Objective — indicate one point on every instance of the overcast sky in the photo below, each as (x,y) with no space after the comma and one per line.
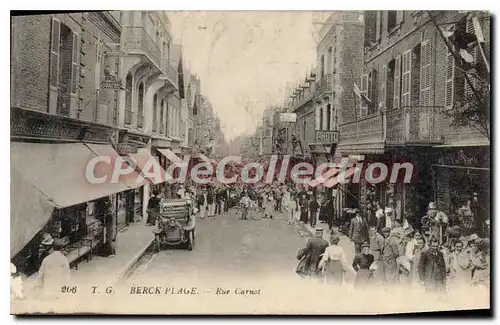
(244,59)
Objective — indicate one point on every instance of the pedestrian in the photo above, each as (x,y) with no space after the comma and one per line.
(286,206)
(358,231)
(245,206)
(480,265)
(54,271)
(310,255)
(304,208)
(390,253)
(361,265)
(278,197)
(376,248)
(202,201)
(328,211)
(269,205)
(153,208)
(313,211)
(460,266)
(414,257)
(294,210)
(333,263)
(211,202)
(431,268)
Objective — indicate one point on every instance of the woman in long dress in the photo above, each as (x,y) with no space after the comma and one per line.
(268,205)
(334,263)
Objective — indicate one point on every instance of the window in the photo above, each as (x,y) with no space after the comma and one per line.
(304,128)
(450,76)
(55,52)
(389,88)
(319,117)
(330,59)
(74,64)
(162,108)
(383,88)
(469,29)
(140,100)
(391,20)
(378,29)
(167,114)
(328,117)
(370,27)
(425,73)
(372,91)
(155,112)
(322,66)
(128,100)
(363,109)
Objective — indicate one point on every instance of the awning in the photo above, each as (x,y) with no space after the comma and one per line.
(147,169)
(45,176)
(30,210)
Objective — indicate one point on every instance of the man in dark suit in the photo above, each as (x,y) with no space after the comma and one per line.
(311,254)
(432,268)
(358,231)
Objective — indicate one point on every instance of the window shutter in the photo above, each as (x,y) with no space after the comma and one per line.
(397,81)
(377,28)
(74,64)
(54,52)
(373,86)
(425,72)
(364,90)
(383,87)
(450,77)
(318,118)
(400,16)
(406,79)
(473,51)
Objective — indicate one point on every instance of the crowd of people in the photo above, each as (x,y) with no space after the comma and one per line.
(399,255)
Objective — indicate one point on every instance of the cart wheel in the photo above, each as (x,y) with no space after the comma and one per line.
(190,241)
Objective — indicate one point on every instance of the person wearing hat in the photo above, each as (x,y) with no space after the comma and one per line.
(432,268)
(361,265)
(390,253)
(480,264)
(202,200)
(153,208)
(54,271)
(311,254)
(358,231)
(334,263)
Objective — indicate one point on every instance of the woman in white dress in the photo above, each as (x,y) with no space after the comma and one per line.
(268,205)
(285,204)
(334,263)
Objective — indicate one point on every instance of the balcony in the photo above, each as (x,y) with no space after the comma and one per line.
(140,121)
(322,136)
(365,136)
(128,117)
(324,84)
(170,72)
(137,40)
(412,125)
(303,100)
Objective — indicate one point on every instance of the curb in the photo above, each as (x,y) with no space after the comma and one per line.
(134,259)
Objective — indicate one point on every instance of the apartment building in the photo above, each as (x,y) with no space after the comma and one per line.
(414,88)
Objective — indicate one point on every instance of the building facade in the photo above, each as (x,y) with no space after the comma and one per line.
(415,89)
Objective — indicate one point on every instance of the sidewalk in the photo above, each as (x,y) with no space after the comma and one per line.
(131,243)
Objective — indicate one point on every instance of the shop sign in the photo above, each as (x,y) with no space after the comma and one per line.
(110,82)
(124,149)
(287,117)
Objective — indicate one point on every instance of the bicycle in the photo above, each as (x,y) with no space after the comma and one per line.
(254,211)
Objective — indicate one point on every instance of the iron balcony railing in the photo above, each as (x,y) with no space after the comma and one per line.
(138,39)
(170,72)
(412,125)
(128,117)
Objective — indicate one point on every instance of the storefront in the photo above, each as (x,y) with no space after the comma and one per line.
(51,193)
(461,179)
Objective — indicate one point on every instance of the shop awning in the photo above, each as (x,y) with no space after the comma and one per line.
(58,170)
(30,210)
(54,175)
(143,161)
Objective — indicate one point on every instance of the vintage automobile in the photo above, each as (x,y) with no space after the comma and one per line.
(176,223)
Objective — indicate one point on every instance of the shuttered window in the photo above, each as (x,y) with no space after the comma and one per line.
(363,111)
(406,79)
(383,87)
(372,91)
(55,47)
(74,63)
(397,82)
(450,77)
(425,72)
(400,16)
(474,52)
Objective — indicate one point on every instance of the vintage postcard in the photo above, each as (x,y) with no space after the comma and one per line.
(250,162)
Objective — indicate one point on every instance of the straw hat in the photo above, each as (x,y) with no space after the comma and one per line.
(47,240)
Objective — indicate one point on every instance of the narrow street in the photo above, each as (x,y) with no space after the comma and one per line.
(227,248)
